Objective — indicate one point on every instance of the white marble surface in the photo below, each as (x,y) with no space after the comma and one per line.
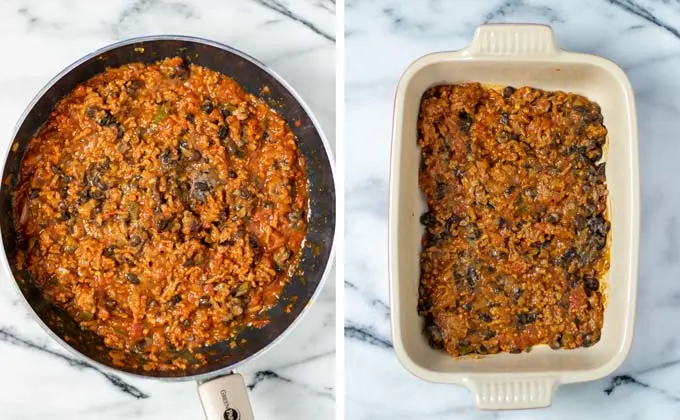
(39,380)
(382,38)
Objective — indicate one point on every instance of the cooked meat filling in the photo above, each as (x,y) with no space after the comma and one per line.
(516,232)
(163,207)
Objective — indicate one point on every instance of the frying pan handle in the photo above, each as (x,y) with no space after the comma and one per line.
(225,398)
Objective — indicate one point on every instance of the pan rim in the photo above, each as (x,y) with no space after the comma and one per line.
(225,370)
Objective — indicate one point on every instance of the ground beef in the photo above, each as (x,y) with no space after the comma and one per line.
(516,232)
(163,207)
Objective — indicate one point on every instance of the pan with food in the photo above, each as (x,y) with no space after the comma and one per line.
(169,211)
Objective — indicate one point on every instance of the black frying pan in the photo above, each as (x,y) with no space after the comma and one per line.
(225,397)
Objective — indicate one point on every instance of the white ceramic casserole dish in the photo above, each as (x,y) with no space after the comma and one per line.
(517,55)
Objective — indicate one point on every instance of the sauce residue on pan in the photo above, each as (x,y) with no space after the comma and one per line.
(163,207)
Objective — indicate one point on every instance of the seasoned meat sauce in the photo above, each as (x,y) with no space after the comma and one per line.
(516,231)
(163,207)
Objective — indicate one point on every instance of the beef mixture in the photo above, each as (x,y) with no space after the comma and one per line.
(516,231)
(163,207)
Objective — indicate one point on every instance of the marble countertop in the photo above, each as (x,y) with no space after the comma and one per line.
(382,38)
(39,379)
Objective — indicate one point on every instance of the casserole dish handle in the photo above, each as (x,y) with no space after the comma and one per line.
(512,393)
(225,398)
(508,40)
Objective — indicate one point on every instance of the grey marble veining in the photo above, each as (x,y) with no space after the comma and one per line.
(296,38)
(383,37)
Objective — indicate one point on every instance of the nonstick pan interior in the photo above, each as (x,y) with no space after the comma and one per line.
(321,220)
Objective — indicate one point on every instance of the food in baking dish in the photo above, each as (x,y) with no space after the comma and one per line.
(516,231)
(163,207)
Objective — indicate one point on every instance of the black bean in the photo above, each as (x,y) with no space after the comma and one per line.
(191,118)
(485,317)
(424,305)
(181,71)
(588,340)
(97,182)
(202,186)
(166,157)
(544,244)
(110,303)
(573,281)
(489,334)
(56,170)
(505,118)
(556,342)
(589,115)
(34,193)
(132,278)
(109,251)
(63,192)
(164,224)
(427,219)
(473,232)
(222,132)
(225,111)
(569,150)
(193,155)
(136,240)
(568,256)
(245,194)
(553,218)
(134,86)
(231,147)
(508,91)
(186,323)
(499,255)
(591,284)
(594,154)
(502,223)
(97,194)
(253,243)
(106,119)
(598,225)
(204,302)
(440,190)
(207,107)
(175,300)
(517,293)
(434,335)
(531,193)
(64,216)
(526,318)
(509,190)
(600,173)
(471,276)
(119,131)
(465,121)
(91,112)
(294,216)
(232,174)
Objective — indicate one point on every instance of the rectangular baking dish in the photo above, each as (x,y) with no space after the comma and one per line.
(517,55)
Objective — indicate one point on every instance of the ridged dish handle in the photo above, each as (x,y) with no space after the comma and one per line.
(499,39)
(512,394)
